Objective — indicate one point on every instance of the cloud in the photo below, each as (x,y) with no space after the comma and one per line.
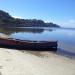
(17,17)
(67,23)
(71,21)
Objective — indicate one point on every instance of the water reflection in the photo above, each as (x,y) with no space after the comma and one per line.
(10,31)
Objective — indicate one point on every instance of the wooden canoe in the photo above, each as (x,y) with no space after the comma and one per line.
(28,45)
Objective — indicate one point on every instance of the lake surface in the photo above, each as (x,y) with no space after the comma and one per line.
(65,37)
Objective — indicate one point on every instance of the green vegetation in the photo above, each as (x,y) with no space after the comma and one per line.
(8,21)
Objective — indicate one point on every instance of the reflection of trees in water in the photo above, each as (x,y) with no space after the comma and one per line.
(33,30)
(10,31)
(5,31)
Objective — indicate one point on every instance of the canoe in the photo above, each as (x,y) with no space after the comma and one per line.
(28,45)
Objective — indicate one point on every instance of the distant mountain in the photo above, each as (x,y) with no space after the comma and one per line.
(7,20)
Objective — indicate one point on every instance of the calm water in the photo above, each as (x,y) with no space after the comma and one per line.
(65,37)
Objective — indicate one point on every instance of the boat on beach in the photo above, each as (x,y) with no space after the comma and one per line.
(27,44)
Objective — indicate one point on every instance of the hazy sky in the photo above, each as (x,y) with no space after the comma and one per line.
(61,12)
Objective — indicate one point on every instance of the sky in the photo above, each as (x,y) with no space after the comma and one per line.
(61,12)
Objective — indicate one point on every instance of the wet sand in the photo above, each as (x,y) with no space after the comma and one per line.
(15,62)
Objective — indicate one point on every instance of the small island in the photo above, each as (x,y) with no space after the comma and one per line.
(7,20)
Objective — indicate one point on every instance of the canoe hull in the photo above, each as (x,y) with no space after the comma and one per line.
(28,45)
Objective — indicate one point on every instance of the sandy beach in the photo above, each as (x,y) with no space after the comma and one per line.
(15,62)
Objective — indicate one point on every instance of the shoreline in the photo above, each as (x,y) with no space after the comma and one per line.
(17,62)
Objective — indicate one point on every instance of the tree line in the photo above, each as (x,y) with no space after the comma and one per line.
(7,20)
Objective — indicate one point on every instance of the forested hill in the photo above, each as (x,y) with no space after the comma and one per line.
(7,20)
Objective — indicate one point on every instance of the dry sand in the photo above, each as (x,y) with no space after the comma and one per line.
(14,62)
(4,36)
